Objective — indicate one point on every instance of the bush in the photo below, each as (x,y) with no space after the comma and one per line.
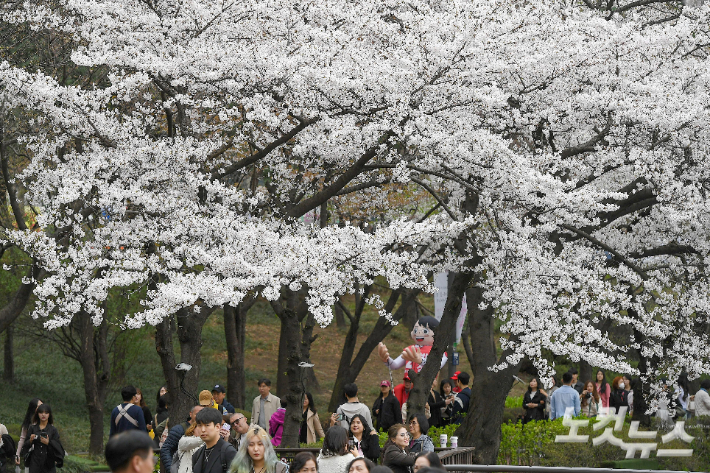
(534,444)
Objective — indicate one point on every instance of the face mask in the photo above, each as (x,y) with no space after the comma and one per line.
(622,385)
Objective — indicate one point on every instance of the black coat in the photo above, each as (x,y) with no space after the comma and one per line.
(436,402)
(397,460)
(617,399)
(219,461)
(534,413)
(42,458)
(390,412)
(370,446)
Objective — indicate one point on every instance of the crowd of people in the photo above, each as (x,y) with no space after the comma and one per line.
(590,398)
(215,438)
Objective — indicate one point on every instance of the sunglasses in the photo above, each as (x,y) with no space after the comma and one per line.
(238,420)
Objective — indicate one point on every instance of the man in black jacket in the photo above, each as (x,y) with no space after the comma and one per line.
(216,454)
(386,410)
(463,398)
(170,446)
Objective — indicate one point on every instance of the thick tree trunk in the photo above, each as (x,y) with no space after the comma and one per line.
(339,316)
(8,373)
(282,360)
(481,427)
(585,372)
(292,310)
(235,321)
(443,334)
(14,308)
(312,384)
(96,370)
(182,385)
(348,370)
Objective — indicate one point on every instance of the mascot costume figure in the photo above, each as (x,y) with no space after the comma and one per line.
(414,356)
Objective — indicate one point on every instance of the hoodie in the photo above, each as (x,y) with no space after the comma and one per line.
(349,409)
(276,426)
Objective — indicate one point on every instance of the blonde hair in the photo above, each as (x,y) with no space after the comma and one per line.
(243,463)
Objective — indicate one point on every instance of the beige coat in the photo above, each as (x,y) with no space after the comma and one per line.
(314,427)
(702,403)
(272,403)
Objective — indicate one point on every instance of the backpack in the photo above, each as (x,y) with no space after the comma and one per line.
(7,451)
(161,431)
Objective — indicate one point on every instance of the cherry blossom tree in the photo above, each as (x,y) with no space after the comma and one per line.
(562,144)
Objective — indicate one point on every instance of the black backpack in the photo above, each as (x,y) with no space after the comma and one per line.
(222,456)
(7,452)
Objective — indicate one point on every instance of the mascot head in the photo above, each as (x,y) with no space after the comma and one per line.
(423,331)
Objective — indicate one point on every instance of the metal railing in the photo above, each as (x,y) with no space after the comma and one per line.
(543,469)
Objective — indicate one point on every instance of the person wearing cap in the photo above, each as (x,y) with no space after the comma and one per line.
(206,400)
(455,378)
(401,391)
(219,394)
(463,398)
(130,452)
(386,410)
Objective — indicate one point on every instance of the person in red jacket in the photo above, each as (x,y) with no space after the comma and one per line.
(401,391)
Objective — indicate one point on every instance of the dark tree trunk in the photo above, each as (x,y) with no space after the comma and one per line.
(291,308)
(481,427)
(444,333)
(339,317)
(16,305)
(96,369)
(282,360)
(8,373)
(585,372)
(349,368)
(311,382)
(182,385)
(235,321)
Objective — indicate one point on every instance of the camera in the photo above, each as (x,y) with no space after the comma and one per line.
(588,395)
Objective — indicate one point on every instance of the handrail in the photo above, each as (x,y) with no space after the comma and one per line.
(545,469)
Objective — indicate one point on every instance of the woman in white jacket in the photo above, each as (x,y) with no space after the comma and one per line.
(186,447)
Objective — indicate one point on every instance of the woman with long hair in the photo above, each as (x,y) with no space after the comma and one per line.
(43,449)
(589,400)
(420,441)
(619,397)
(396,450)
(360,465)
(189,443)
(534,402)
(335,455)
(311,428)
(146,412)
(436,402)
(427,459)
(366,441)
(304,462)
(628,386)
(256,454)
(31,409)
(603,388)
(448,395)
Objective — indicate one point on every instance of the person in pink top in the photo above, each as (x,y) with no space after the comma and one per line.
(603,388)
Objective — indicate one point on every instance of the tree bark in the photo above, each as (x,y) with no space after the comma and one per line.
(282,360)
(339,317)
(481,427)
(182,384)
(642,390)
(585,372)
(96,370)
(8,373)
(235,321)
(292,309)
(311,383)
(444,333)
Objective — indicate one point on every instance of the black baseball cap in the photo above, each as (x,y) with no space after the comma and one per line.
(218,388)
